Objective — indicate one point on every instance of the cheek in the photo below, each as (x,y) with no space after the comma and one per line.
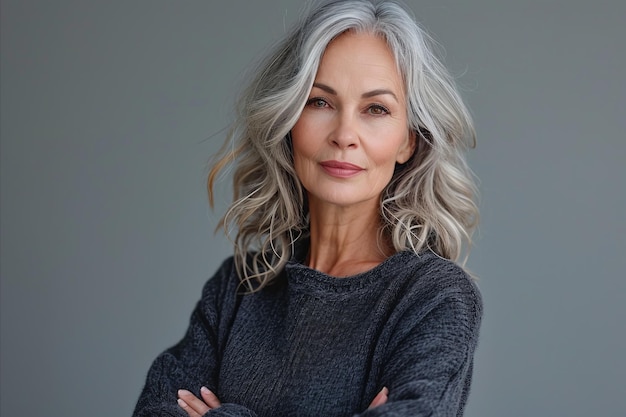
(301,149)
(299,162)
(303,153)
(386,153)
(304,144)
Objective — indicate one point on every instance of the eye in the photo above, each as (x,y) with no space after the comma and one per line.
(377,110)
(317,102)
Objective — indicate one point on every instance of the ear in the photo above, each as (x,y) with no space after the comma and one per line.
(407,148)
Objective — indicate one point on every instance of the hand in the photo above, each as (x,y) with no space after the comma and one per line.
(380,398)
(194,406)
(197,408)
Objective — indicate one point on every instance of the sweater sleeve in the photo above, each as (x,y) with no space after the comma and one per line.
(428,369)
(193,362)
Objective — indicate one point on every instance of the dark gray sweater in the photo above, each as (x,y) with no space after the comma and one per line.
(315,345)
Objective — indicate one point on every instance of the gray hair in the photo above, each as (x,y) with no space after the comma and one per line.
(430,201)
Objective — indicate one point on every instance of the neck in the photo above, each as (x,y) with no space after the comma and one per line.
(346,240)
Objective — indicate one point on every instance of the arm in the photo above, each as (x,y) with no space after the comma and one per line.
(194,361)
(196,407)
(429,361)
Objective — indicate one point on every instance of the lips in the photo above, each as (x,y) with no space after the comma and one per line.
(340,169)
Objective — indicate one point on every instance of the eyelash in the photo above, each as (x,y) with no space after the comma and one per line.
(385,110)
(311,101)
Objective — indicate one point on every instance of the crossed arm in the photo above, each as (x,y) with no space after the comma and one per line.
(197,407)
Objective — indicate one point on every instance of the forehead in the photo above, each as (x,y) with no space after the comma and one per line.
(356,56)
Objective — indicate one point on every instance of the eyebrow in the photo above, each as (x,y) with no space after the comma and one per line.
(368,94)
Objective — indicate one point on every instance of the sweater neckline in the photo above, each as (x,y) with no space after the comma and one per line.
(304,276)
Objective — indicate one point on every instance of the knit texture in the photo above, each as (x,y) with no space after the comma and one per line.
(315,345)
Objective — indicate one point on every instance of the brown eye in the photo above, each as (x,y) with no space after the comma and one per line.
(377,110)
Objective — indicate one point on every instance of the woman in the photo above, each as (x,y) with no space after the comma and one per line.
(352,202)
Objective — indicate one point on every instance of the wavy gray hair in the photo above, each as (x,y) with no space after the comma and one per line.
(429,202)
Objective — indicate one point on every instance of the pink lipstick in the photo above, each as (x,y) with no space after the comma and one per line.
(340,169)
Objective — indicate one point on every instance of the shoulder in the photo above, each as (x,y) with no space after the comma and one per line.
(440,275)
(435,305)
(432,282)
(223,282)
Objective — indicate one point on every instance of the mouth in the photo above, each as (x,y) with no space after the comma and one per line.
(340,169)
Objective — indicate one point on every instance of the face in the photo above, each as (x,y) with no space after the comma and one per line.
(354,128)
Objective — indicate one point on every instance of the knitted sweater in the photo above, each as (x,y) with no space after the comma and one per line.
(314,345)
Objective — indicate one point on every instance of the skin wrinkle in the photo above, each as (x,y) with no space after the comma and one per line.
(349,121)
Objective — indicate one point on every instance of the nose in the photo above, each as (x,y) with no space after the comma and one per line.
(345,134)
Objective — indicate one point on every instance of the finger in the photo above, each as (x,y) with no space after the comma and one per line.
(194,403)
(380,398)
(190,411)
(209,398)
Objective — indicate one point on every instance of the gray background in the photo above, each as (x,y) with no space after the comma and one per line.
(111,109)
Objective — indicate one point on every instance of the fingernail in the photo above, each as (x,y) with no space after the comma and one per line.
(181,403)
(205,390)
(183,392)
